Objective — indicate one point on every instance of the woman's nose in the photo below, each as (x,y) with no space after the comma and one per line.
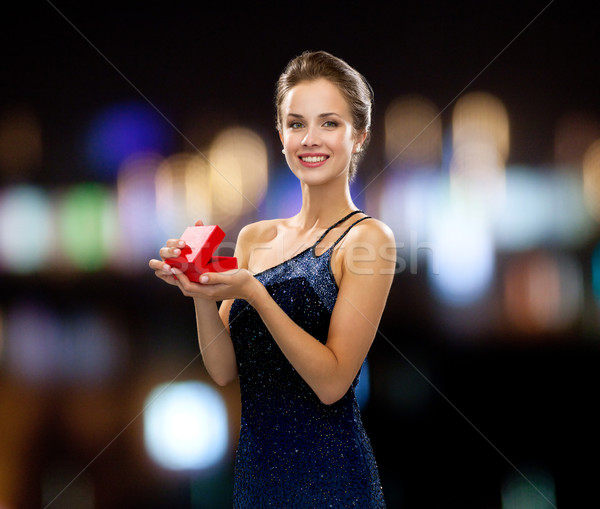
(311,138)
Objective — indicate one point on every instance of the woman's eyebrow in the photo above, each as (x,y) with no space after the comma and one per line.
(321,115)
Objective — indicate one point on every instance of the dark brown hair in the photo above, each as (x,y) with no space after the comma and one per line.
(312,65)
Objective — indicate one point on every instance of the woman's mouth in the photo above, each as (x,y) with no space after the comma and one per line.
(312,160)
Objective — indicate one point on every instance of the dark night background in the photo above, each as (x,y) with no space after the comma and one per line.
(450,420)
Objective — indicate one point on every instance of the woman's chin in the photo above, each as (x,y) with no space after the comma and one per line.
(318,177)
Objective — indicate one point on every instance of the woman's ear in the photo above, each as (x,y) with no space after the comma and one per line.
(360,139)
(363,136)
(281,138)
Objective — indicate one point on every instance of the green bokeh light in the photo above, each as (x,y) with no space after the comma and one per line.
(87,226)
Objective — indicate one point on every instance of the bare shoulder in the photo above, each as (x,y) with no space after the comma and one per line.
(253,235)
(371,230)
(369,245)
(259,232)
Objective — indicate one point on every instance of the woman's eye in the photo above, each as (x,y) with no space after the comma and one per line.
(295,125)
(330,123)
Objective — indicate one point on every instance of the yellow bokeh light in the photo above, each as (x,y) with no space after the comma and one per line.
(217,185)
(413,132)
(478,177)
(480,145)
(481,117)
(183,192)
(591,179)
(239,173)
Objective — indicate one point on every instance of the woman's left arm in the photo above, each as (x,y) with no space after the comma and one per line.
(368,265)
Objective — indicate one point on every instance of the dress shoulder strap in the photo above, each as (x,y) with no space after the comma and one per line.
(334,225)
(338,223)
(347,230)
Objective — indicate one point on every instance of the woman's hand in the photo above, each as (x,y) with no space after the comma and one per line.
(219,286)
(172,249)
(162,269)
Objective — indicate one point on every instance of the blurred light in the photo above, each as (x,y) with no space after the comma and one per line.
(239,173)
(26,236)
(463,245)
(121,130)
(543,292)
(413,132)
(480,117)
(43,348)
(591,179)
(185,426)
(20,142)
(183,193)
(411,203)
(480,144)
(363,389)
(138,220)
(32,343)
(596,272)
(477,177)
(357,186)
(218,189)
(542,207)
(531,488)
(87,224)
(409,200)
(571,224)
(92,348)
(284,198)
(574,133)
(526,216)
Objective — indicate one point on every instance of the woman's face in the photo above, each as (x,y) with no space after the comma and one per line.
(317,132)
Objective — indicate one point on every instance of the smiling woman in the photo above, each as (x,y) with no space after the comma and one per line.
(298,318)
(317,131)
(349,83)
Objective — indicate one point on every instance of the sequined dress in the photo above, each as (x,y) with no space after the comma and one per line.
(294,451)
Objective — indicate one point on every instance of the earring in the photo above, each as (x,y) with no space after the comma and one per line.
(357,150)
(283,151)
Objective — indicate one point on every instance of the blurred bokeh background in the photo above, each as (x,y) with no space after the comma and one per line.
(122,123)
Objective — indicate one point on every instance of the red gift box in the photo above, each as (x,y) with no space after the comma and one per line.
(196,257)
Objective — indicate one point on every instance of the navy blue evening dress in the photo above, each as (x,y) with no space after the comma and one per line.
(294,451)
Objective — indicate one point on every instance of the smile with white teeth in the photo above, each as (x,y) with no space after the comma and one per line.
(314,159)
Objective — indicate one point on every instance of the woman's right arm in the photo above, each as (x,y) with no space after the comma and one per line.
(214,340)
(212,323)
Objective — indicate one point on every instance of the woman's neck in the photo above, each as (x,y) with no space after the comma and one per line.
(323,206)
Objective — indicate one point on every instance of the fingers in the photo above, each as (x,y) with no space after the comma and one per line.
(160,266)
(202,290)
(212,278)
(172,249)
(175,243)
(162,271)
(188,288)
